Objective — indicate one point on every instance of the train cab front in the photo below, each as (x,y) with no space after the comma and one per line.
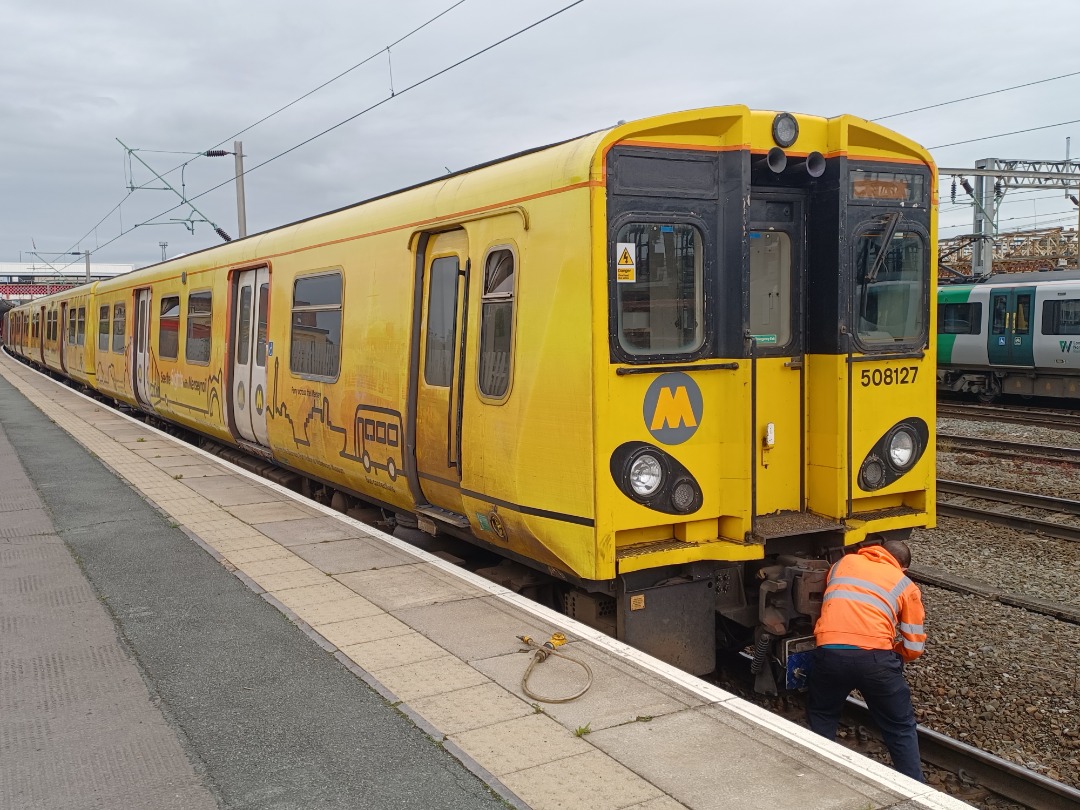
(768,394)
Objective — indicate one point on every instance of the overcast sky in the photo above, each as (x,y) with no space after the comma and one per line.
(185,77)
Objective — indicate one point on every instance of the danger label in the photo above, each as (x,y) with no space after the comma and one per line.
(626,264)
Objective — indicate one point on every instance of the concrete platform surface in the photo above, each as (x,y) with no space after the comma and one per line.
(274,653)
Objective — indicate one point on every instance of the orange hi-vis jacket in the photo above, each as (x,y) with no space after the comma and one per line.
(867,597)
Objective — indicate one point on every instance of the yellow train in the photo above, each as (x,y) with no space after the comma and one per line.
(677,365)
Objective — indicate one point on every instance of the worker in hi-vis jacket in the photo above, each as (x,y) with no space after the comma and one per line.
(868,598)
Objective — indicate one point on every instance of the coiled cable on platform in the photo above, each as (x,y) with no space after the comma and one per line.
(540,654)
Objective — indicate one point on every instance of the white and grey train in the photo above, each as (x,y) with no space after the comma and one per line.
(1016,333)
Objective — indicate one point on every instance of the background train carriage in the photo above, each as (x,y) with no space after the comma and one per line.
(1013,333)
(676,364)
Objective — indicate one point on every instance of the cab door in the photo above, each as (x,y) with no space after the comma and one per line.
(777,251)
(1010,339)
(440,379)
(251,307)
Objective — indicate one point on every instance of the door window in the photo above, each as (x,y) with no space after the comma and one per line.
(1001,314)
(260,331)
(243,327)
(441,321)
(1022,326)
(770,287)
(80,327)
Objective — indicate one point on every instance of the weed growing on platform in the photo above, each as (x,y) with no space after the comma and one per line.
(178,476)
(581,731)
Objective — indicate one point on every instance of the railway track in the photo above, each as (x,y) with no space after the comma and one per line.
(1006,449)
(999,776)
(1056,419)
(1055,517)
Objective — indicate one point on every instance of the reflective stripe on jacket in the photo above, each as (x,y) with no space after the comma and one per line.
(867,599)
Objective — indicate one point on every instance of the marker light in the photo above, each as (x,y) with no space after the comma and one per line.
(646,475)
(785,129)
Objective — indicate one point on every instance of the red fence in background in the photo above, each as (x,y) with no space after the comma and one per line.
(10,290)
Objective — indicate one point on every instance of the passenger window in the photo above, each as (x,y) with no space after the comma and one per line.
(441,321)
(119,327)
(260,331)
(169,328)
(71,327)
(960,319)
(770,287)
(659,272)
(197,340)
(103,329)
(315,340)
(1061,317)
(80,327)
(496,323)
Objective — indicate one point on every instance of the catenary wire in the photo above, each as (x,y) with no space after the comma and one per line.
(978,95)
(351,118)
(265,118)
(1005,134)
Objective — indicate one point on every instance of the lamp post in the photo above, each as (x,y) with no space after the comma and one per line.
(241,205)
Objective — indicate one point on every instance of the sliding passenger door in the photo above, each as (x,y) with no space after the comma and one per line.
(440,378)
(1009,342)
(251,306)
(141,347)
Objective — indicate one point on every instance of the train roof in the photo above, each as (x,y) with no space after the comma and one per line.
(1033,277)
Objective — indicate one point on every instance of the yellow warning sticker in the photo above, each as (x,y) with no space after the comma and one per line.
(626,266)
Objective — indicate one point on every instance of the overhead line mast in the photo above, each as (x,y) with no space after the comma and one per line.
(986,194)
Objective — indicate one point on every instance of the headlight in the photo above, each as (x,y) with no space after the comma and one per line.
(902,448)
(646,475)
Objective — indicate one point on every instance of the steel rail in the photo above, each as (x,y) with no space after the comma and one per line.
(1000,447)
(1061,506)
(1014,782)
(1053,419)
(941,578)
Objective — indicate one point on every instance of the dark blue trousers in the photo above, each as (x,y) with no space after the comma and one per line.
(879,675)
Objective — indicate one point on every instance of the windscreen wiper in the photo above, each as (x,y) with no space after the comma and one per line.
(889,222)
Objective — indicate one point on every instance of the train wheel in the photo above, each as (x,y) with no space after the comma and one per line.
(391,469)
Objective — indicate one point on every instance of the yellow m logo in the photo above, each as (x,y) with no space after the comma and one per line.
(673,409)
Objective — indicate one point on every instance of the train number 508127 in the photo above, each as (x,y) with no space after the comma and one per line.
(889,376)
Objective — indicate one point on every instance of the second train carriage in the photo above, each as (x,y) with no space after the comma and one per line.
(678,365)
(1013,333)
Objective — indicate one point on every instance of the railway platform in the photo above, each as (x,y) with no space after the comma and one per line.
(179,633)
